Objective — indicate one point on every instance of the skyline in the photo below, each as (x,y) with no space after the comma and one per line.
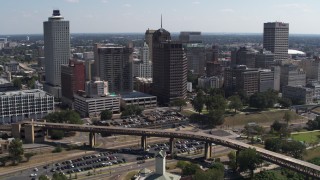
(123,16)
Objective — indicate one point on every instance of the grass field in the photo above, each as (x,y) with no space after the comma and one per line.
(308,137)
(258,117)
(312,153)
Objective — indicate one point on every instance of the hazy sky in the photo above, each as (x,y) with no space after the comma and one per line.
(103,16)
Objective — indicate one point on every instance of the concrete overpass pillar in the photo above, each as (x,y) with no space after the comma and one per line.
(237,155)
(207,150)
(144,142)
(16,130)
(171,146)
(29,133)
(92,139)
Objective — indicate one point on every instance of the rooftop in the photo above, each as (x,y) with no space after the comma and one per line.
(135,94)
(36,92)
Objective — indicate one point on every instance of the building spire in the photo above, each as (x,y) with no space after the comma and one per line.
(161,20)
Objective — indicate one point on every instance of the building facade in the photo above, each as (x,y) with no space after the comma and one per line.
(16,106)
(312,69)
(92,106)
(148,40)
(291,75)
(143,68)
(298,94)
(196,56)
(169,68)
(56,50)
(96,88)
(113,63)
(210,82)
(275,39)
(72,78)
(140,99)
(265,59)
(245,56)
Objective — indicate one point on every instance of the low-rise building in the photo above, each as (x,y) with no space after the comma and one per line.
(210,82)
(92,106)
(143,100)
(12,66)
(16,106)
(298,94)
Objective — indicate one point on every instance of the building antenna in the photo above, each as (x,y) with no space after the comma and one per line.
(161,20)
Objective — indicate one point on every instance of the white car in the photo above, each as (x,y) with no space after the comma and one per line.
(35,169)
(33,175)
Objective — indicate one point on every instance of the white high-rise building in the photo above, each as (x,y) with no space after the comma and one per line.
(144,68)
(56,50)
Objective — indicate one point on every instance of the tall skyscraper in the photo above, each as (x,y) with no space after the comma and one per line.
(196,56)
(148,39)
(169,68)
(275,39)
(56,51)
(114,64)
(143,68)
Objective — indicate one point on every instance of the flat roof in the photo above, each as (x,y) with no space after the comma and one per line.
(25,92)
(135,94)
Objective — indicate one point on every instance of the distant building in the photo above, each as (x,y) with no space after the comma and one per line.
(143,68)
(277,78)
(190,37)
(72,79)
(56,51)
(315,86)
(213,68)
(189,86)
(96,87)
(25,105)
(140,99)
(291,75)
(38,85)
(143,85)
(265,59)
(88,55)
(210,82)
(169,68)
(113,63)
(248,80)
(6,85)
(312,69)
(244,56)
(196,56)
(275,39)
(266,80)
(12,66)
(212,53)
(298,94)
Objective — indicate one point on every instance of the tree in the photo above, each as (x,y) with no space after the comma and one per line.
(293,148)
(59,176)
(258,100)
(232,161)
(197,104)
(17,83)
(277,126)
(268,175)
(212,174)
(190,169)
(314,124)
(106,115)
(180,103)
(16,151)
(285,102)
(67,116)
(273,144)
(287,117)
(249,159)
(235,103)
(28,155)
(56,134)
(44,177)
(131,110)
(215,117)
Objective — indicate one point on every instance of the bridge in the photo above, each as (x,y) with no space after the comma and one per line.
(309,169)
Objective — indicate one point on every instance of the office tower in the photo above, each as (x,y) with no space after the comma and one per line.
(169,68)
(291,75)
(277,73)
(190,37)
(275,39)
(148,40)
(113,63)
(143,67)
(266,80)
(72,79)
(56,51)
(89,69)
(244,56)
(264,59)
(196,56)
